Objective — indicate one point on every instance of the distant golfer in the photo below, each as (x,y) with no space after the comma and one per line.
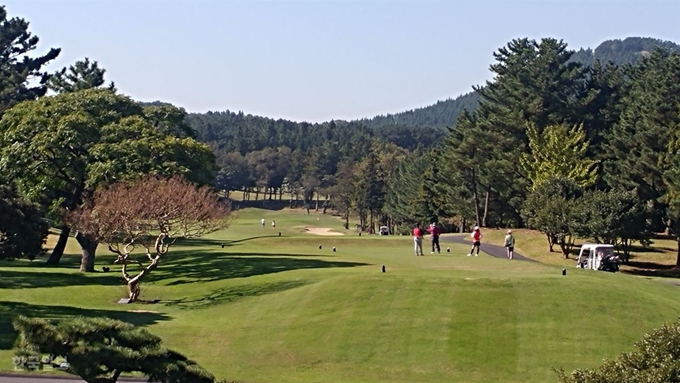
(476,240)
(273,224)
(262,222)
(418,240)
(509,244)
(434,237)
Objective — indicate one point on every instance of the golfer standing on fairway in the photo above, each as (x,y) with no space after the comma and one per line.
(418,240)
(434,237)
(476,240)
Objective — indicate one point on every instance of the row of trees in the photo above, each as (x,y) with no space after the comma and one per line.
(556,146)
(109,170)
(59,153)
(605,136)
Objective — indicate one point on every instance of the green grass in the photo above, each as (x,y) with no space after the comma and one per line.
(278,309)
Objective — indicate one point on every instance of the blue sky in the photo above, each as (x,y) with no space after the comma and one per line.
(318,60)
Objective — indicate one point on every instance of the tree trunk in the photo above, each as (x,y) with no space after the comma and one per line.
(564,249)
(551,242)
(317,202)
(475,199)
(133,283)
(88,247)
(59,248)
(486,209)
(677,258)
(113,378)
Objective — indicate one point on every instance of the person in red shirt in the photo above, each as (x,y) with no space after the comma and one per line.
(418,240)
(476,240)
(434,237)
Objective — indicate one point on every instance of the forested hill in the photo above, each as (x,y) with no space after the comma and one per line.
(441,114)
(445,113)
(235,135)
(237,132)
(621,52)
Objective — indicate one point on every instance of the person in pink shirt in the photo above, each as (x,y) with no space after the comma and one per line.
(476,240)
(434,237)
(418,240)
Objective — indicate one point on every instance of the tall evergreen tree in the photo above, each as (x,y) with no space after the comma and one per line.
(21,76)
(643,144)
(84,74)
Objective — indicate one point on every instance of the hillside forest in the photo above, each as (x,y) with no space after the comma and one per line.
(571,143)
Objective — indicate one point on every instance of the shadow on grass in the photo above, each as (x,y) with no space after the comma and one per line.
(204,242)
(193,267)
(10,310)
(651,269)
(233,293)
(22,279)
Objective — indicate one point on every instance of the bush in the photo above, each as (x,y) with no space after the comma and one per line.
(657,360)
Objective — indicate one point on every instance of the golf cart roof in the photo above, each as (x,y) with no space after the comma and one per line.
(596,245)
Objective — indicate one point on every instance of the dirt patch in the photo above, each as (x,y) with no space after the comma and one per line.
(143,311)
(321,231)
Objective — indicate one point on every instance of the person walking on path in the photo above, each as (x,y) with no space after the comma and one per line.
(476,240)
(509,244)
(418,240)
(434,237)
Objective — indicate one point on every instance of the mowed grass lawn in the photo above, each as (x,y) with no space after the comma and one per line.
(272,309)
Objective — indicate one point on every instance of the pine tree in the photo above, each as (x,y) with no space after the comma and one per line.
(84,74)
(22,77)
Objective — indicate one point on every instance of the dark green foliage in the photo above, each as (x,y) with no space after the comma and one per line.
(440,115)
(621,52)
(404,193)
(22,227)
(650,111)
(642,146)
(169,120)
(656,360)
(59,149)
(617,217)
(445,113)
(79,76)
(601,109)
(21,77)
(100,349)
(552,209)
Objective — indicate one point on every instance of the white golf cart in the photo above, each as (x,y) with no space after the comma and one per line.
(384,230)
(597,256)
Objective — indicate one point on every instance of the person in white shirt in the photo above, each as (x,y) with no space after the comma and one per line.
(509,244)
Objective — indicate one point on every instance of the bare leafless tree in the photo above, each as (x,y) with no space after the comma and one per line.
(151,213)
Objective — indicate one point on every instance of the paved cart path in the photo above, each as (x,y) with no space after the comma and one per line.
(488,248)
(21,378)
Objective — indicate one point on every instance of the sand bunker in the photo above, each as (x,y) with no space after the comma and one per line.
(321,231)
(143,311)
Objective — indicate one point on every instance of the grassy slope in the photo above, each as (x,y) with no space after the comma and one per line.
(656,258)
(277,309)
